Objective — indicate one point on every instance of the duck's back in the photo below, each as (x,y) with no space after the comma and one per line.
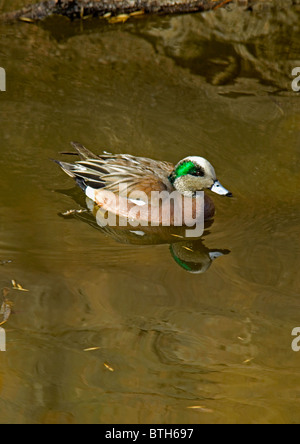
(112,170)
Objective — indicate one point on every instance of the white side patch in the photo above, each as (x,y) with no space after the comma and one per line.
(90,192)
(138,202)
(138,233)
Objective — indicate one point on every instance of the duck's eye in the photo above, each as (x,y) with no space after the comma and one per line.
(198,173)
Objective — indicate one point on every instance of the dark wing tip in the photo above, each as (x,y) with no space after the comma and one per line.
(81,183)
(55,161)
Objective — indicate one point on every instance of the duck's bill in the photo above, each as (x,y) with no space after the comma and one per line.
(219,189)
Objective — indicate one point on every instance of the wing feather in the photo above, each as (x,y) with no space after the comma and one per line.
(109,171)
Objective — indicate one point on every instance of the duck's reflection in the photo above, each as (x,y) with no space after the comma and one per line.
(189,253)
(193,256)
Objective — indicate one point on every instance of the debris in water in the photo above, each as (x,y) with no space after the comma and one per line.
(137,13)
(108,367)
(201,408)
(122,18)
(91,349)
(5,262)
(17,286)
(26,20)
(71,213)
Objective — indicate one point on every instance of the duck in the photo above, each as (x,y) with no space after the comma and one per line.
(122,175)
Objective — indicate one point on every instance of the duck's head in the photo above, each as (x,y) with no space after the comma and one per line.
(194,174)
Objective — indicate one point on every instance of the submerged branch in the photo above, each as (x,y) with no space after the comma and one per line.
(81,8)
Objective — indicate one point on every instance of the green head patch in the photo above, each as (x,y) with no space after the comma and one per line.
(189,167)
(186,168)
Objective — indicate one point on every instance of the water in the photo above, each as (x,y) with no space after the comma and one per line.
(171,346)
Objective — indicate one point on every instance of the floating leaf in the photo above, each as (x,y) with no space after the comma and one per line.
(108,367)
(137,13)
(201,408)
(122,18)
(26,19)
(91,349)
(17,286)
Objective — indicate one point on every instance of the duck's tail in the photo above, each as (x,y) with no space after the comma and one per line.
(85,173)
(83,152)
(69,169)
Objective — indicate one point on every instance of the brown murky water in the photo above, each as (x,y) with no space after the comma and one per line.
(167,338)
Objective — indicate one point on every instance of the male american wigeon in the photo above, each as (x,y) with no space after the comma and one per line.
(110,174)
